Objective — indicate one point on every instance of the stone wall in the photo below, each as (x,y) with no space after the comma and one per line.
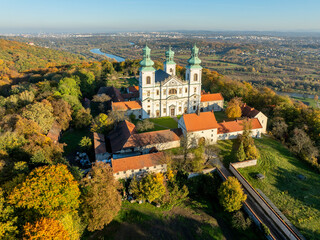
(244,164)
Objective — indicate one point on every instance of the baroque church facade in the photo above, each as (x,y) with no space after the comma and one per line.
(162,93)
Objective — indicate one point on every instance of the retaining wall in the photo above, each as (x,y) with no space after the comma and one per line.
(265,206)
(244,164)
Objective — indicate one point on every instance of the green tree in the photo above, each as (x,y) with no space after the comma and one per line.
(85,143)
(50,191)
(102,124)
(87,83)
(69,86)
(231,195)
(101,199)
(41,113)
(241,155)
(82,118)
(8,227)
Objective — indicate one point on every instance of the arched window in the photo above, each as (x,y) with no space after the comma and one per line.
(148,80)
(171,70)
(172,91)
(195,77)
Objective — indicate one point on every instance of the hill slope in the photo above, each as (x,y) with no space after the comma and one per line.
(17,57)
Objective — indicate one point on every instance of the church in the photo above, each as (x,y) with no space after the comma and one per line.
(162,93)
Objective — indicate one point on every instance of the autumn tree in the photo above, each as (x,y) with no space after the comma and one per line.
(231,195)
(241,155)
(144,125)
(251,152)
(151,187)
(85,143)
(82,118)
(41,113)
(102,123)
(45,229)
(234,108)
(8,227)
(101,199)
(50,191)
(62,111)
(280,129)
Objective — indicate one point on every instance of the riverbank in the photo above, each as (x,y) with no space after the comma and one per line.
(115,57)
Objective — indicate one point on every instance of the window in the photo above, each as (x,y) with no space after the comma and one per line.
(195,90)
(148,80)
(148,112)
(148,100)
(148,93)
(180,90)
(117,173)
(148,106)
(158,113)
(155,167)
(171,70)
(164,92)
(194,107)
(132,170)
(186,90)
(158,92)
(172,91)
(187,76)
(179,109)
(195,77)
(164,110)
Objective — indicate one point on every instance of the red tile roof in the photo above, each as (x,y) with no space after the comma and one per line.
(236,126)
(203,121)
(133,89)
(54,132)
(124,106)
(137,162)
(99,143)
(249,111)
(151,138)
(211,97)
(120,135)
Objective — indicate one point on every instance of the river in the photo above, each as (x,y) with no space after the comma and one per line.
(297,95)
(115,57)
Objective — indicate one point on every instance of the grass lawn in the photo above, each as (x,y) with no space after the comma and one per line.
(298,199)
(72,138)
(220,116)
(308,101)
(123,82)
(145,221)
(167,122)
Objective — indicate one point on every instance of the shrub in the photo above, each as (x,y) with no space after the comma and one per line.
(240,222)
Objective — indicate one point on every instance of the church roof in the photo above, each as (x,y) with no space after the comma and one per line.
(203,121)
(211,97)
(161,75)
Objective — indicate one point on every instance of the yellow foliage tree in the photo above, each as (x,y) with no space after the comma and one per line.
(234,108)
(231,195)
(45,229)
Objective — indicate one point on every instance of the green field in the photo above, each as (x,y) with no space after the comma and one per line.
(220,116)
(298,199)
(308,101)
(145,221)
(122,82)
(72,139)
(167,122)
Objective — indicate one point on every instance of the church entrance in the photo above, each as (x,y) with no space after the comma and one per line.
(172,112)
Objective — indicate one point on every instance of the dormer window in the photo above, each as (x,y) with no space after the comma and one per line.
(148,80)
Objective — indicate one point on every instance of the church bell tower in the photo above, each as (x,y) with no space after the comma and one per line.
(169,64)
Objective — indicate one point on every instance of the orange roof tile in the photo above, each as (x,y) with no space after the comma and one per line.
(249,111)
(120,135)
(99,143)
(236,126)
(137,162)
(155,137)
(133,89)
(203,121)
(124,106)
(211,97)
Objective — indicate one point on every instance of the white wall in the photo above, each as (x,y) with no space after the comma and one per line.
(136,172)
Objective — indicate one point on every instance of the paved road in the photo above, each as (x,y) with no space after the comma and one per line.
(274,229)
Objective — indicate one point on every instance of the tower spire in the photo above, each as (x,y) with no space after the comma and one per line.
(194,60)
(146,63)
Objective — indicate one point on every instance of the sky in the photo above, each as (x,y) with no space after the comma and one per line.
(84,16)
